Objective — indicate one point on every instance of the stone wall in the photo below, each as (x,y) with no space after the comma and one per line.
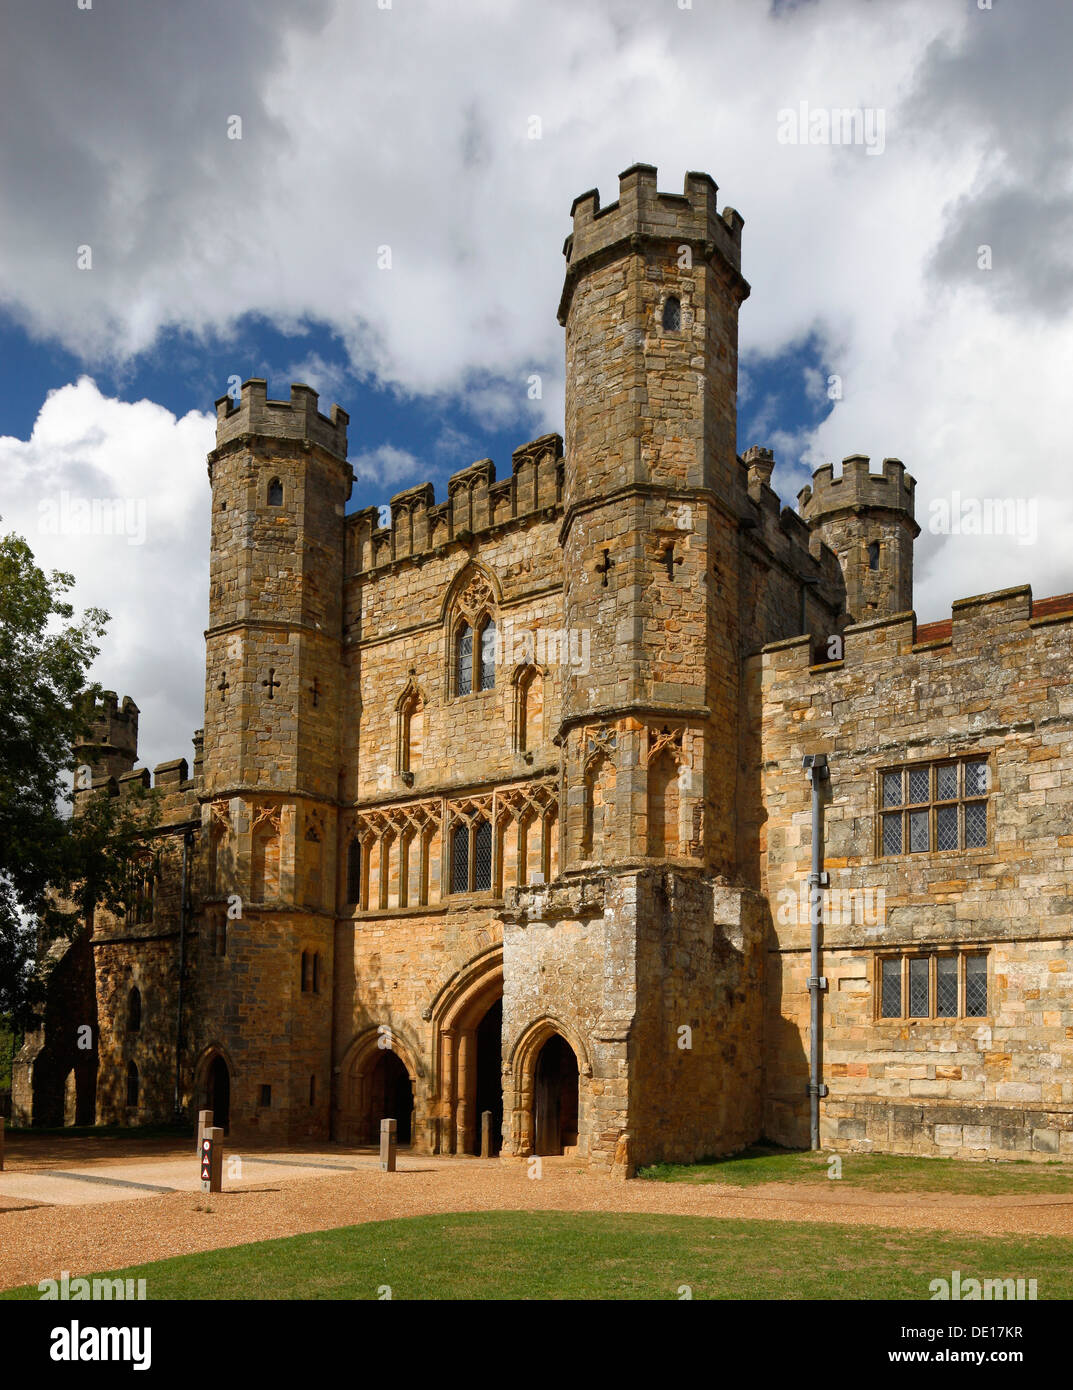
(938,1084)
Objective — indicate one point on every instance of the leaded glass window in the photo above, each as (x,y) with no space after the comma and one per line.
(918,987)
(936,985)
(464,679)
(927,807)
(946,986)
(488,656)
(460,859)
(672,315)
(975,986)
(891,1000)
(482,857)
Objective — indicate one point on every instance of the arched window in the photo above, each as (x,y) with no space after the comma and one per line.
(275,493)
(460,858)
(353,873)
(471,857)
(672,315)
(482,856)
(133,1084)
(488,656)
(134,1010)
(464,661)
(873,555)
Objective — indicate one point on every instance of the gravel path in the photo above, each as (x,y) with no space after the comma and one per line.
(279,1199)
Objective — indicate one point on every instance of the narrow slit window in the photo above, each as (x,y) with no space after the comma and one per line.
(672,315)
(275,493)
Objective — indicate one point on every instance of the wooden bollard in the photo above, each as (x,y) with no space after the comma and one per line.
(204,1124)
(1,1143)
(486,1134)
(387,1146)
(212,1160)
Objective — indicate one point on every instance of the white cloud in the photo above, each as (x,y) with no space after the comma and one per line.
(115,493)
(388,466)
(409,127)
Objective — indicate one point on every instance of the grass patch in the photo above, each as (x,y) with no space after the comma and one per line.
(873,1172)
(551,1255)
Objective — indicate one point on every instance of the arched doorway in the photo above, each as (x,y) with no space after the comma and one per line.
(391,1097)
(489,1074)
(468,1022)
(555,1098)
(218,1093)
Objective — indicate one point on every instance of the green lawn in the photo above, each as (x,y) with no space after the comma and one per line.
(574,1255)
(875,1172)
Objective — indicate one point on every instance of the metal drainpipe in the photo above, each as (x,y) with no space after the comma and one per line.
(815,765)
(184,907)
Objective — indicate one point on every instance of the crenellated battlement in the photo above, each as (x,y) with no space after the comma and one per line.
(111,746)
(641,210)
(298,418)
(893,489)
(475,503)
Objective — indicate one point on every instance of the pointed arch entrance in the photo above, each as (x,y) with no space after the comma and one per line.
(468,1031)
(218,1093)
(555,1098)
(549,1097)
(380,1081)
(213,1078)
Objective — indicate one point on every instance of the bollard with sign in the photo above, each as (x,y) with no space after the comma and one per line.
(204,1124)
(212,1160)
(387,1146)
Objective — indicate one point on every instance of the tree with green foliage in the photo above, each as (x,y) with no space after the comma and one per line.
(56,868)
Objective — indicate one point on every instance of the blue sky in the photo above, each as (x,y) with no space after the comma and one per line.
(236,171)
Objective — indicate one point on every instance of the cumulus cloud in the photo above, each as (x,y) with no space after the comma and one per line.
(386,183)
(115,493)
(388,465)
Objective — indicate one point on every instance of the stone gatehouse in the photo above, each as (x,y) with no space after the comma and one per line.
(499,802)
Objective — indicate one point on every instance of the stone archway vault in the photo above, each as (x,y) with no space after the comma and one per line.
(456,1017)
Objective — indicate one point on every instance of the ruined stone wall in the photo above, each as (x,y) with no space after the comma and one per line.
(995,686)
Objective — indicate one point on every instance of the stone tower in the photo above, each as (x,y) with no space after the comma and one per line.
(867,520)
(110,748)
(280,482)
(658,951)
(650,532)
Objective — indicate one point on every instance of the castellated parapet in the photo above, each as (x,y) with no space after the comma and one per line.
(111,746)
(893,489)
(297,418)
(867,519)
(477,505)
(641,211)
